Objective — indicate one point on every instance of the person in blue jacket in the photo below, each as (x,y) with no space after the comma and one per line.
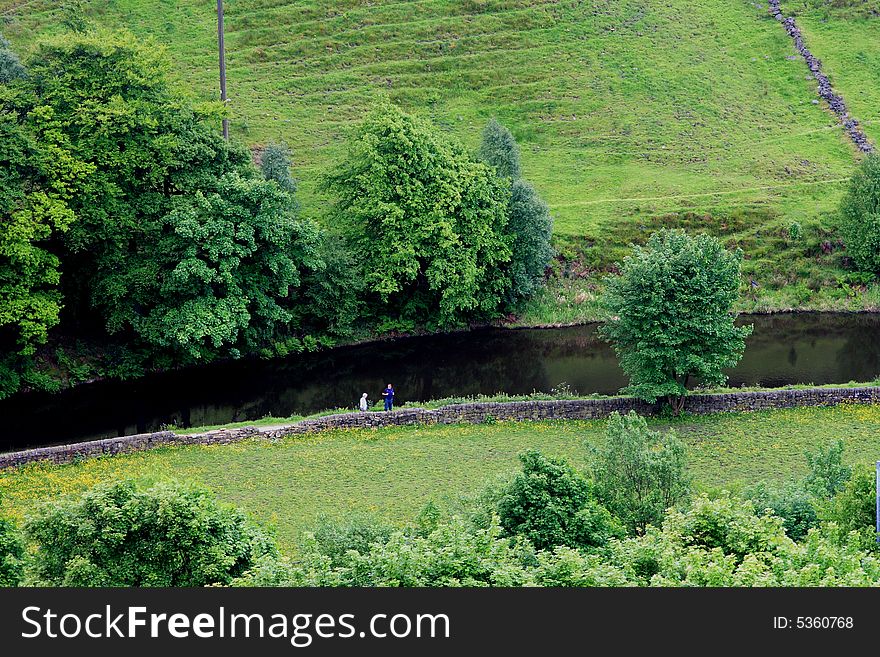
(388,396)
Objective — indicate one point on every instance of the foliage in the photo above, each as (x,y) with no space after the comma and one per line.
(38,180)
(860,215)
(669,315)
(219,275)
(398,469)
(11,67)
(121,534)
(828,475)
(854,508)
(333,538)
(453,554)
(791,503)
(550,504)
(499,149)
(723,542)
(12,553)
(639,473)
(531,228)
(275,165)
(426,222)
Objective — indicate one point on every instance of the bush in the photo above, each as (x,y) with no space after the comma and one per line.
(791,503)
(860,215)
(639,473)
(453,554)
(11,554)
(827,474)
(333,538)
(550,504)
(854,508)
(120,534)
(670,315)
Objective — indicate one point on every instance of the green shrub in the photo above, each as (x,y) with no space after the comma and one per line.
(791,503)
(120,534)
(639,473)
(333,538)
(550,504)
(11,554)
(827,474)
(854,508)
(860,215)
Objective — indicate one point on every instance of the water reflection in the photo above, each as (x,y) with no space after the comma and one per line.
(798,348)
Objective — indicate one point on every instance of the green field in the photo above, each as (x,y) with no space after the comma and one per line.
(393,472)
(623,108)
(848,46)
(631,114)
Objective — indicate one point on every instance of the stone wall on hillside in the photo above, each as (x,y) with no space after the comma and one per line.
(476,413)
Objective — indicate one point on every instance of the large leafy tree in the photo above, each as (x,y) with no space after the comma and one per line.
(669,315)
(426,221)
(179,241)
(860,215)
(39,177)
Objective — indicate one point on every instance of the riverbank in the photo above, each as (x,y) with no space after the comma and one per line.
(394,471)
(459,413)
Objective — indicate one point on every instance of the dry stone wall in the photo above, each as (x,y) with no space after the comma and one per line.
(477,413)
(835,102)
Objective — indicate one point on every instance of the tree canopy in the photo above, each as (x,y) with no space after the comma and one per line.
(425,220)
(669,315)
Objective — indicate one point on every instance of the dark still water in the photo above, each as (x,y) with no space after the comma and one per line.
(784,349)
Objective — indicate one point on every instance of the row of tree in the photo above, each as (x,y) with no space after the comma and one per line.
(129,221)
(630,519)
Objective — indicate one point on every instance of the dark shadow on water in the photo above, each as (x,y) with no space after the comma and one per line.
(784,349)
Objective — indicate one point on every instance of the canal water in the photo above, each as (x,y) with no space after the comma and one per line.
(784,349)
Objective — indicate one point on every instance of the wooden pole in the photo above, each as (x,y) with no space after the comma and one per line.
(222,48)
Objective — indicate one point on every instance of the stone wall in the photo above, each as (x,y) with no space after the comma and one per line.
(576,409)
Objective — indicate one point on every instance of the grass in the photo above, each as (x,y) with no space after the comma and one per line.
(632,115)
(394,471)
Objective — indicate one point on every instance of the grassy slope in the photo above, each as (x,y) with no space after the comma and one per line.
(395,471)
(627,110)
(847,44)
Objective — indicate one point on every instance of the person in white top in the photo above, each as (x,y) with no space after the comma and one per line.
(364,403)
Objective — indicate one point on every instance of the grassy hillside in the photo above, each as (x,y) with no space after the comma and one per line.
(626,110)
(848,39)
(395,471)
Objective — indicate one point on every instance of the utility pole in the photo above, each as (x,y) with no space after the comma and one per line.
(222,66)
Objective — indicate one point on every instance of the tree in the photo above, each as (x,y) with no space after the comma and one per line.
(11,67)
(275,165)
(860,215)
(529,222)
(669,315)
(828,475)
(122,534)
(426,222)
(220,271)
(639,473)
(500,150)
(550,504)
(531,227)
(179,242)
